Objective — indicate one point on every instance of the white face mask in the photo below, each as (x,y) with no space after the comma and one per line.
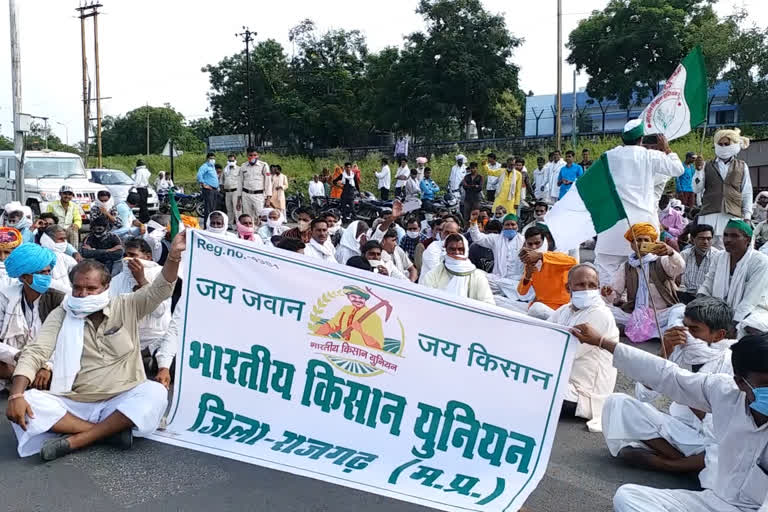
(273,223)
(727,152)
(584,298)
(303,225)
(333,229)
(412,234)
(48,243)
(212,161)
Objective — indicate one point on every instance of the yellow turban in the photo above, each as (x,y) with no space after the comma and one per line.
(10,238)
(733,135)
(642,229)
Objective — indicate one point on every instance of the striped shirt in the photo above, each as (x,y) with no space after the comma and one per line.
(695,274)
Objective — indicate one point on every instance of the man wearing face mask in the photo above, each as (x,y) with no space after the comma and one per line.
(540,210)
(727,185)
(15,218)
(434,254)
(101,245)
(592,376)
(302,231)
(643,436)
(24,306)
(507,267)
(55,239)
(739,408)
(255,185)
(209,184)
(98,390)
(231,180)
(354,237)
(139,271)
(335,231)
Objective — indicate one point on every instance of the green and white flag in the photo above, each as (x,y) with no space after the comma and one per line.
(682,105)
(591,206)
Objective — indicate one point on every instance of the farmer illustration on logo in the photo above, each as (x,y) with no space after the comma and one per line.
(360,331)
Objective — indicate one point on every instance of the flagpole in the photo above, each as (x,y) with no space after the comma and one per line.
(648,286)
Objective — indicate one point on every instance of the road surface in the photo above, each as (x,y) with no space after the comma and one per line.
(581,477)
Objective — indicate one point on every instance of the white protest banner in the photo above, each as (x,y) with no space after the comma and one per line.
(357,379)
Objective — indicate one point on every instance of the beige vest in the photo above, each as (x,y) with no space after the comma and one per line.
(722,196)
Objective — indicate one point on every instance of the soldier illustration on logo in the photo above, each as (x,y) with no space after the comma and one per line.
(357,323)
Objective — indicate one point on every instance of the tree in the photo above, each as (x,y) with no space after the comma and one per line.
(40,137)
(127,135)
(228,97)
(631,46)
(465,56)
(201,128)
(748,74)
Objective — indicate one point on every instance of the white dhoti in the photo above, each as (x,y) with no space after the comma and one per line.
(506,295)
(607,265)
(144,405)
(627,421)
(638,498)
(253,204)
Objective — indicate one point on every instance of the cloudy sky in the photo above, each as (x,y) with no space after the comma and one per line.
(152,51)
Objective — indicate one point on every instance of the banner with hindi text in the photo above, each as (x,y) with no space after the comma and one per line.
(363,381)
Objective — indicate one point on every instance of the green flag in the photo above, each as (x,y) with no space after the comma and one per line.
(175,215)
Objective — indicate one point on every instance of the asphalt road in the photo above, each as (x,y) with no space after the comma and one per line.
(581,477)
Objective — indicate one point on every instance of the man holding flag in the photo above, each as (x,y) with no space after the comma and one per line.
(620,185)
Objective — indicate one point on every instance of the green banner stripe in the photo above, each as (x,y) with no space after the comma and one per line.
(598,191)
(696,89)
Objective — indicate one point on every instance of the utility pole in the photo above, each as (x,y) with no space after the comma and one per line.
(247,36)
(91,11)
(98,82)
(147,128)
(18,136)
(573,114)
(558,120)
(86,99)
(66,131)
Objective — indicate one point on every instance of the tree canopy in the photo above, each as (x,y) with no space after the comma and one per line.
(333,91)
(127,135)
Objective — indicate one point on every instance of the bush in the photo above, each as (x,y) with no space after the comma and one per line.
(300,169)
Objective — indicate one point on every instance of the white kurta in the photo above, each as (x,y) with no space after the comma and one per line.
(541,183)
(741,484)
(60,273)
(593,376)
(627,421)
(477,288)
(634,171)
(430,259)
(554,176)
(325,252)
(457,176)
(745,290)
(719,220)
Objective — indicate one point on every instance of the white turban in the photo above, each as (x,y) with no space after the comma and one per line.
(733,135)
(461,157)
(757,319)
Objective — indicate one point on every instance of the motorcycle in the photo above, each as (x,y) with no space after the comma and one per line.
(368,208)
(187,203)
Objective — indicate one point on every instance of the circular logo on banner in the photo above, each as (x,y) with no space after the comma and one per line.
(362,337)
(667,117)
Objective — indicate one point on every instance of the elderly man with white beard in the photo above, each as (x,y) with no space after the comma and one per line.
(55,239)
(592,376)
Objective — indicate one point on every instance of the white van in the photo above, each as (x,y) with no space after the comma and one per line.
(44,173)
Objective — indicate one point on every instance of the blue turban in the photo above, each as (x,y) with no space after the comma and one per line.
(29,258)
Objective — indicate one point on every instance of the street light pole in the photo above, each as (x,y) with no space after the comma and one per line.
(66,131)
(558,120)
(18,136)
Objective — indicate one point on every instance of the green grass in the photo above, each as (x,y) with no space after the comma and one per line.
(300,169)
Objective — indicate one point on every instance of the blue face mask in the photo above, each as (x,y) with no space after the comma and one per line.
(509,234)
(761,399)
(41,283)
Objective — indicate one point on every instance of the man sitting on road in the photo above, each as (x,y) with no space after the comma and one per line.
(593,375)
(738,275)
(101,245)
(138,272)
(371,252)
(320,245)
(55,239)
(69,214)
(433,255)
(739,411)
(456,275)
(698,260)
(392,253)
(676,442)
(99,390)
(661,265)
(24,306)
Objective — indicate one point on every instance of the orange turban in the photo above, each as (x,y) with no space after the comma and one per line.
(642,229)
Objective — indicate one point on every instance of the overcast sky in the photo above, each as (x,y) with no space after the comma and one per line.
(152,51)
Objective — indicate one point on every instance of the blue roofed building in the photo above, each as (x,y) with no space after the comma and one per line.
(595,117)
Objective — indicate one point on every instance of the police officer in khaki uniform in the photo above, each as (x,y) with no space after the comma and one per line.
(231,182)
(254,185)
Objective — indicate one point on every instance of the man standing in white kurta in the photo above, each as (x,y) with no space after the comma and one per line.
(727,186)
(634,169)
(642,435)
(739,408)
